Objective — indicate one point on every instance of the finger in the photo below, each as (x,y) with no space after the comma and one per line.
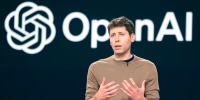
(125,92)
(103,81)
(143,84)
(113,87)
(111,95)
(109,84)
(133,83)
(114,90)
(127,89)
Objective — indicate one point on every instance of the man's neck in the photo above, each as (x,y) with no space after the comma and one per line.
(122,56)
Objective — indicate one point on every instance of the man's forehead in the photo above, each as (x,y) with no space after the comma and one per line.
(115,27)
(118,30)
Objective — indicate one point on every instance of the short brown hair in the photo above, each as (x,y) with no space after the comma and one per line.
(122,21)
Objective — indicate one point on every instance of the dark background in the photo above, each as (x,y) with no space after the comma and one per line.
(59,71)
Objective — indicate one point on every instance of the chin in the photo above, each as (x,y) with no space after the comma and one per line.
(118,52)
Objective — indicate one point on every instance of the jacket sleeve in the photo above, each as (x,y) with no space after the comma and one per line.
(92,85)
(152,85)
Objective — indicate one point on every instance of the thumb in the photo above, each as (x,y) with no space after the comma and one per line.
(143,84)
(103,81)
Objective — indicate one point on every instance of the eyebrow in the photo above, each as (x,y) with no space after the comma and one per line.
(117,32)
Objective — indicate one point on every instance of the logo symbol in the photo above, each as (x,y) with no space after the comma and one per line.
(30,27)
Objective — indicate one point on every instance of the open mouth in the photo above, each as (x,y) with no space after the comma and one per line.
(117,46)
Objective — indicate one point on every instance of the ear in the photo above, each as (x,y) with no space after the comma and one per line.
(132,37)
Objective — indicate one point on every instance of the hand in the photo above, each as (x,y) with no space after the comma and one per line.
(106,90)
(133,91)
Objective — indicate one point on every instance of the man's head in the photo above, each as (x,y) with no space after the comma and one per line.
(121,31)
(122,21)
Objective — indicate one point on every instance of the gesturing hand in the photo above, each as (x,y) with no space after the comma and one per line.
(133,91)
(106,90)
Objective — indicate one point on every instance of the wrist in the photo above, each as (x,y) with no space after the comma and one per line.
(95,97)
(143,98)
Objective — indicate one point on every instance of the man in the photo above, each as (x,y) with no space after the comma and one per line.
(122,76)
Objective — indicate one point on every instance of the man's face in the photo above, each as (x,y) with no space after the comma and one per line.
(120,40)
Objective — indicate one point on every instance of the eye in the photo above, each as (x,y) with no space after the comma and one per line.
(112,35)
(122,34)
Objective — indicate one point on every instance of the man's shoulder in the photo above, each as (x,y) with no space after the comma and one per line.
(143,60)
(100,64)
(102,61)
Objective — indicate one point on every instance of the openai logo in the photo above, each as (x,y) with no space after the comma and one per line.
(30,27)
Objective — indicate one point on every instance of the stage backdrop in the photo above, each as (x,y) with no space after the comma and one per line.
(47,46)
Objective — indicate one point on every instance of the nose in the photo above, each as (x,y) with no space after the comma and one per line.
(117,38)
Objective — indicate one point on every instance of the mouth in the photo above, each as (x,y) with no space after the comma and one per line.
(117,46)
